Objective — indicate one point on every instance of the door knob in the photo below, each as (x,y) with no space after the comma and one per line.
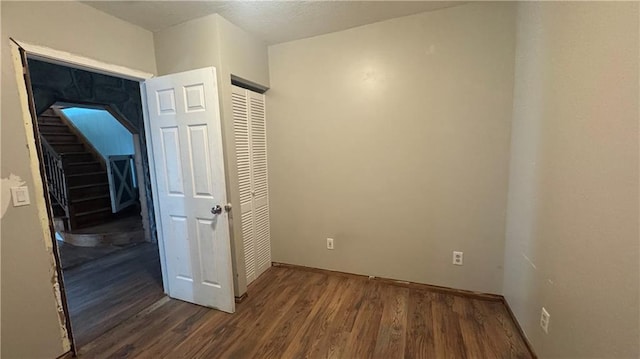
(216,209)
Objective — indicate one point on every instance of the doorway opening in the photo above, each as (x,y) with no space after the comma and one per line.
(95,169)
(182,189)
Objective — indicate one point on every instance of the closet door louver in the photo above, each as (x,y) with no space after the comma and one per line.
(249,122)
(243,162)
(259,182)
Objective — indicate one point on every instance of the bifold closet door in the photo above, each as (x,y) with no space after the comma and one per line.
(249,121)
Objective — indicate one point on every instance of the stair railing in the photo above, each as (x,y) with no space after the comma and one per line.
(54,166)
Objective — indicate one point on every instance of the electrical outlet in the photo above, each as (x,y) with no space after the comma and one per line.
(457,258)
(329,243)
(544,320)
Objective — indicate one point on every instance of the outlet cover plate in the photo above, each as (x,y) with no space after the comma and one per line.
(458,258)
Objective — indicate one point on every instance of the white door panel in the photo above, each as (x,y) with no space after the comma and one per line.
(184,122)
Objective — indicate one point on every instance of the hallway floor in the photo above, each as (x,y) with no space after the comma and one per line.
(90,243)
(103,293)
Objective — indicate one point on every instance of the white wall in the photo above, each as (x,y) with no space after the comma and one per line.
(107,135)
(30,321)
(393,139)
(572,225)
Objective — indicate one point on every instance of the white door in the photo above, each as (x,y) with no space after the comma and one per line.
(186,142)
(249,125)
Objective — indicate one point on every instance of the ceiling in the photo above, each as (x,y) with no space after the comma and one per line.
(272,21)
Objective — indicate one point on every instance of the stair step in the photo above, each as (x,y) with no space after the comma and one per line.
(86,178)
(47,118)
(85,204)
(89,185)
(88,190)
(75,157)
(97,217)
(87,174)
(52,128)
(61,138)
(95,211)
(86,199)
(57,134)
(46,133)
(62,147)
(48,112)
(80,154)
(84,163)
(83,167)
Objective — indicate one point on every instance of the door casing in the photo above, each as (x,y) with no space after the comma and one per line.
(18,48)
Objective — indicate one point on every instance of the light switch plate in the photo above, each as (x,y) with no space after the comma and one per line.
(20,196)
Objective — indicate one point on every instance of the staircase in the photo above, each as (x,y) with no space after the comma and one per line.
(76,173)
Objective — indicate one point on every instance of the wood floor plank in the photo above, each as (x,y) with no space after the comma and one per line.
(447,332)
(362,341)
(471,328)
(276,339)
(175,332)
(132,331)
(335,328)
(294,313)
(315,329)
(497,323)
(391,339)
(283,296)
(207,337)
(104,292)
(420,339)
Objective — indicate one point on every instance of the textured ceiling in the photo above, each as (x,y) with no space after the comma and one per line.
(272,21)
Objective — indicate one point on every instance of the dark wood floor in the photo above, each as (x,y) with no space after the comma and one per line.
(72,256)
(105,292)
(295,313)
(90,243)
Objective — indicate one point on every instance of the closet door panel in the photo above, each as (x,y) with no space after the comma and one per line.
(259,178)
(258,145)
(262,239)
(250,131)
(249,246)
(242,135)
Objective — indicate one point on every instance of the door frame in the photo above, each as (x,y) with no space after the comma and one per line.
(20,51)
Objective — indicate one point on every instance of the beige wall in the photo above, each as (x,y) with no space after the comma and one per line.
(214,41)
(393,139)
(242,54)
(572,228)
(30,324)
(245,56)
(187,46)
